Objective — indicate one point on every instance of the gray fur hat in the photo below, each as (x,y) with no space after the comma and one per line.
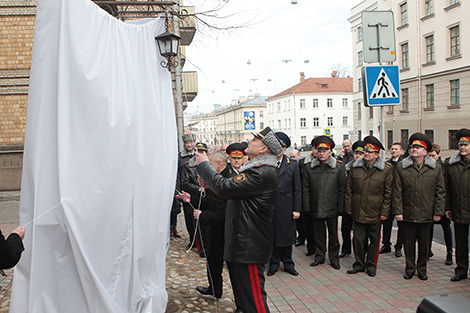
(269,138)
(189,137)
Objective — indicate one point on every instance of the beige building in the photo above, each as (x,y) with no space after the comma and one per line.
(236,122)
(204,126)
(433,54)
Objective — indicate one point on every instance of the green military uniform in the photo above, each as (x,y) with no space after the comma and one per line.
(457,179)
(368,197)
(418,195)
(323,192)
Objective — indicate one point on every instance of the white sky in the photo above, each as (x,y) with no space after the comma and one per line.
(314,30)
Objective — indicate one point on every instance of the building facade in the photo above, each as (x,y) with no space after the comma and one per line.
(434,61)
(204,126)
(314,107)
(236,122)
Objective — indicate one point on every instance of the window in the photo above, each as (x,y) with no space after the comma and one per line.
(316,122)
(279,106)
(455,92)
(404,99)
(430,134)
(261,114)
(279,124)
(288,105)
(404,13)
(359,58)
(329,103)
(453,143)
(330,121)
(345,137)
(303,140)
(389,139)
(261,125)
(290,124)
(429,48)
(430,96)
(455,41)
(371,132)
(404,136)
(428,7)
(359,83)
(371,112)
(303,122)
(359,112)
(345,102)
(452,2)
(359,33)
(285,123)
(315,103)
(345,121)
(390,109)
(404,56)
(359,134)
(302,103)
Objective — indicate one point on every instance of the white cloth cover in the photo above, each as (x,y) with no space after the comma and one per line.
(99,165)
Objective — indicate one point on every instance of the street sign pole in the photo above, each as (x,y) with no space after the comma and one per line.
(390,39)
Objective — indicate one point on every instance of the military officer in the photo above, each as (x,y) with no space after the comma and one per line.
(323,189)
(457,169)
(236,153)
(368,198)
(418,200)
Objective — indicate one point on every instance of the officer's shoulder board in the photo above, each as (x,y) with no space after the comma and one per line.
(240,178)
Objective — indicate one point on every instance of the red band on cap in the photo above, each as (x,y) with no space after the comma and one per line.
(236,154)
(372,147)
(419,143)
(323,145)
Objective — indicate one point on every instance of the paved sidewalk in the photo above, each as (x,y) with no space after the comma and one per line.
(316,289)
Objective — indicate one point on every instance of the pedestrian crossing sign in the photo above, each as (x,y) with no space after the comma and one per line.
(381,85)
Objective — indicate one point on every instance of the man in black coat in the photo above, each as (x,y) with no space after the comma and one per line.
(11,248)
(251,198)
(287,210)
(397,156)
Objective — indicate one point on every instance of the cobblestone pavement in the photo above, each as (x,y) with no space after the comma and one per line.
(316,289)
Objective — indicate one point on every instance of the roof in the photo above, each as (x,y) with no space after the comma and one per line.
(319,85)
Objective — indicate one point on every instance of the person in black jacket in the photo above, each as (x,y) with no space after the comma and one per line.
(286,211)
(397,156)
(11,248)
(251,199)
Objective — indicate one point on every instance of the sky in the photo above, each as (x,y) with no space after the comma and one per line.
(266,33)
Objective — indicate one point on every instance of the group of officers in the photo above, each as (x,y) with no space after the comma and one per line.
(246,204)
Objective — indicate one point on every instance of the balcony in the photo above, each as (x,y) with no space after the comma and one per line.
(189,81)
(187,25)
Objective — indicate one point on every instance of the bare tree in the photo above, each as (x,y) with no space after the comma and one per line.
(342,70)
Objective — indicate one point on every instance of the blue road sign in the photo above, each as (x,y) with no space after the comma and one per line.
(381,85)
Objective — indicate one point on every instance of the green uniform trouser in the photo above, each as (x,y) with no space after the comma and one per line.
(366,239)
(461,248)
(413,232)
(319,230)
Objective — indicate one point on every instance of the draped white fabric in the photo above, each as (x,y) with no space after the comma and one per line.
(99,165)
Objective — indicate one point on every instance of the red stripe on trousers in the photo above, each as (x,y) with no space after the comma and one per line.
(257,291)
(253,286)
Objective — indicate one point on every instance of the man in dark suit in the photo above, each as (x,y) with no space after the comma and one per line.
(397,155)
(286,211)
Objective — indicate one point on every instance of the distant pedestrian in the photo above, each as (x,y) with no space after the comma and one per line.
(323,190)
(368,198)
(286,211)
(418,201)
(457,171)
